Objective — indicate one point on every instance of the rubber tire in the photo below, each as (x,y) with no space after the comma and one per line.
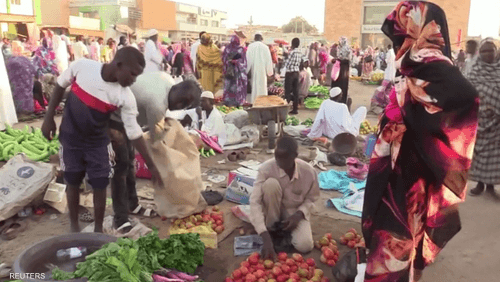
(271,134)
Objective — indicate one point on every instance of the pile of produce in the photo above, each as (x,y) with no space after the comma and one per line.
(274,90)
(291,120)
(329,250)
(278,84)
(294,268)
(28,141)
(135,261)
(366,128)
(308,122)
(207,153)
(320,90)
(268,101)
(352,239)
(213,218)
(227,110)
(377,76)
(314,102)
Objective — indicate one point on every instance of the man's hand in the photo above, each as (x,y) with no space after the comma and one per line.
(49,128)
(293,221)
(268,248)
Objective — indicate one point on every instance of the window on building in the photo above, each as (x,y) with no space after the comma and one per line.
(215,24)
(204,22)
(15,2)
(192,19)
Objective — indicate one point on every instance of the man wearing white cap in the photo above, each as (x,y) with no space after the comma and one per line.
(211,120)
(153,56)
(259,66)
(334,117)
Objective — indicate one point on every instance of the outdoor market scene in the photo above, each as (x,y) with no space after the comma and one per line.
(167,142)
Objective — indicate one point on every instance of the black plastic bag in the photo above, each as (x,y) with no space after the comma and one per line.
(346,268)
(337,159)
(212,197)
(282,240)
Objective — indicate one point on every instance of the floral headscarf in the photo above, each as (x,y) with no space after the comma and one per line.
(44,60)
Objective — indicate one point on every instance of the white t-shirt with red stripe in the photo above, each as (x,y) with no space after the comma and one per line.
(91,102)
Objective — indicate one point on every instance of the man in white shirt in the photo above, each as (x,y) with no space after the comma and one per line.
(259,66)
(153,56)
(334,117)
(471,57)
(194,50)
(79,49)
(211,120)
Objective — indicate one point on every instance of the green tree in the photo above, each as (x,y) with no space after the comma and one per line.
(297,24)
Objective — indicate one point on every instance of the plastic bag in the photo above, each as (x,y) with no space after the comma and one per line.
(337,159)
(250,133)
(356,169)
(346,268)
(233,134)
(238,118)
(335,71)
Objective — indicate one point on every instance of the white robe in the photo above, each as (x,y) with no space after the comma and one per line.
(390,71)
(214,125)
(7,109)
(194,52)
(260,66)
(334,118)
(62,56)
(153,57)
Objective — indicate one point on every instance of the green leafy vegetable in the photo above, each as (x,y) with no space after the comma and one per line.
(135,261)
(292,121)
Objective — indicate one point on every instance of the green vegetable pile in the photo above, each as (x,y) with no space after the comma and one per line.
(135,261)
(319,89)
(31,142)
(278,84)
(308,122)
(292,121)
(313,102)
(207,153)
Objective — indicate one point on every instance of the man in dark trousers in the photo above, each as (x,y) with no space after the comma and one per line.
(292,67)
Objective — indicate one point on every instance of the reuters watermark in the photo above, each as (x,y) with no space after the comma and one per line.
(21,276)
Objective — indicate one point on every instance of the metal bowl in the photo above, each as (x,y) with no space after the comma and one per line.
(344,143)
(36,258)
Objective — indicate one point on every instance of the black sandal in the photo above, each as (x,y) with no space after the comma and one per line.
(10,232)
(478,190)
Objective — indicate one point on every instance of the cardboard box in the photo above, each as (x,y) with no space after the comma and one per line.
(239,187)
(55,196)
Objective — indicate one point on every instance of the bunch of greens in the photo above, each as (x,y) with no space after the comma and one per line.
(319,89)
(135,261)
(313,102)
(308,122)
(292,121)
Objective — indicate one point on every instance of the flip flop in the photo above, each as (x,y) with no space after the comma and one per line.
(11,231)
(126,227)
(147,212)
(5,224)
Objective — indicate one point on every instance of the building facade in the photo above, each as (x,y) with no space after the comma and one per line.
(191,20)
(15,14)
(360,20)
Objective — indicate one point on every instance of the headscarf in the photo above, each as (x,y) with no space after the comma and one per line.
(369,52)
(343,50)
(208,52)
(188,64)
(436,130)
(176,48)
(44,59)
(231,51)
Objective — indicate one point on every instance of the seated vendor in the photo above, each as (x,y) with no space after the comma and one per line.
(285,191)
(333,117)
(210,119)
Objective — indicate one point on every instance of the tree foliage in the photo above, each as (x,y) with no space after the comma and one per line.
(296,24)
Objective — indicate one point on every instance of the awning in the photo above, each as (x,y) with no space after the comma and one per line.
(86,32)
(10,18)
(123,28)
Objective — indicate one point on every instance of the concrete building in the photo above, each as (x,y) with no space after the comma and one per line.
(360,20)
(58,15)
(191,20)
(15,15)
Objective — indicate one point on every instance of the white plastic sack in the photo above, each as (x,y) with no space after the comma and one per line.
(233,135)
(294,131)
(354,72)
(238,118)
(250,133)
(21,182)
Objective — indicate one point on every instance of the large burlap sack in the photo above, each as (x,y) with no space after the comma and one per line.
(178,161)
(21,182)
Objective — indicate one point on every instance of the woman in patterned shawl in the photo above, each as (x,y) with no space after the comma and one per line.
(235,65)
(45,59)
(209,64)
(418,169)
(485,76)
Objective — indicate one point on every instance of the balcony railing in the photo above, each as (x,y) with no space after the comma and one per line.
(84,23)
(82,3)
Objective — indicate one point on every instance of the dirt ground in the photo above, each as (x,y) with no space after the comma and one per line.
(470,256)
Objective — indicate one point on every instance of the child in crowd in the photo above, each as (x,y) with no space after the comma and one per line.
(97,90)
(304,81)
